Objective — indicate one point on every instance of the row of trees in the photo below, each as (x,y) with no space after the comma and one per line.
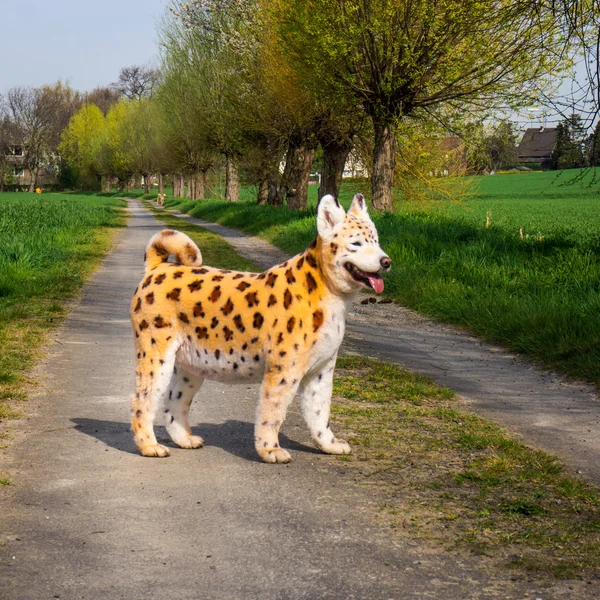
(260,88)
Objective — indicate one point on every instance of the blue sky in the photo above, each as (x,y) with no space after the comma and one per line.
(81,41)
(88,42)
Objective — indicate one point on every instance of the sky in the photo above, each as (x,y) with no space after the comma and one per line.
(80,41)
(86,43)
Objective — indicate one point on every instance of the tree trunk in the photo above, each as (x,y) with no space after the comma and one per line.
(201,185)
(107,184)
(146,183)
(161,183)
(178,186)
(301,157)
(384,161)
(263,191)
(232,181)
(335,155)
(275,193)
(33,179)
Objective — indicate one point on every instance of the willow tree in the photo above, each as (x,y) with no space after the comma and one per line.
(78,144)
(396,59)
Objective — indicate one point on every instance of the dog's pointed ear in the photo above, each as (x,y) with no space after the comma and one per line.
(358,207)
(329,216)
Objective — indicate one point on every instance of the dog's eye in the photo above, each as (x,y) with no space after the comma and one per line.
(357,243)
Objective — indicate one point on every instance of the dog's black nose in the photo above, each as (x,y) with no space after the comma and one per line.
(386,262)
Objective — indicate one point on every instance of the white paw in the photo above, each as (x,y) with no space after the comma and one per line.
(192,441)
(336,446)
(275,455)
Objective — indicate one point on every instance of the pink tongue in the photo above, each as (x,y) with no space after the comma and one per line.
(376,283)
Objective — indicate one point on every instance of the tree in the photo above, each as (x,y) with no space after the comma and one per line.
(38,116)
(490,147)
(78,146)
(103,98)
(593,147)
(568,151)
(402,59)
(136,82)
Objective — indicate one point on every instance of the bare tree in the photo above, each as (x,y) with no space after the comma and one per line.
(37,117)
(136,82)
(103,98)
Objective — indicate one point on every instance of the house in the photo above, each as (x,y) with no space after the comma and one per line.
(536,146)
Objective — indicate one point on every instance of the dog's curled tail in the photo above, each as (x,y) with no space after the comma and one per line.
(167,242)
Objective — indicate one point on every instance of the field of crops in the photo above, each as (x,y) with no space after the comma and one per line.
(49,244)
(517,262)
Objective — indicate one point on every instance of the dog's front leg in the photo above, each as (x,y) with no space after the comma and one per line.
(315,401)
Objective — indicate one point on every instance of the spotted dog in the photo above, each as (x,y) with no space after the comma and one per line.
(282,327)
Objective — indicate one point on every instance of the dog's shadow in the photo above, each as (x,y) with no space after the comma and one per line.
(235,437)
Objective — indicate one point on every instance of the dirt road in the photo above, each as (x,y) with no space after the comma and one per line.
(90,518)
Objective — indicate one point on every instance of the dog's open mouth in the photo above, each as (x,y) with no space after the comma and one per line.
(372,280)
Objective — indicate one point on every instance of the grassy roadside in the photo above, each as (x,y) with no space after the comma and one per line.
(49,246)
(457,480)
(443,474)
(215,250)
(518,265)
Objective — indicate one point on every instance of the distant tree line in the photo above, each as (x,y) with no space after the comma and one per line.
(260,92)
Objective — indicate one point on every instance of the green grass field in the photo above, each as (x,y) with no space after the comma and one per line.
(527,277)
(49,245)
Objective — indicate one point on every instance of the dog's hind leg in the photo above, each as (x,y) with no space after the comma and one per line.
(153,373)
(177,400)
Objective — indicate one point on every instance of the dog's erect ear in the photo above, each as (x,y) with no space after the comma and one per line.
(358,208)
(329,216)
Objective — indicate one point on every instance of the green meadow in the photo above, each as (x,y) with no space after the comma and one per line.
(515,260)
(49,245)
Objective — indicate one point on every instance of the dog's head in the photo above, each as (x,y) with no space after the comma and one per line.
(352,257)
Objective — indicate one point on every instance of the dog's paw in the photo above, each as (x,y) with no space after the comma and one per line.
(155,450)
(275,455)
(337,446)
(193,441)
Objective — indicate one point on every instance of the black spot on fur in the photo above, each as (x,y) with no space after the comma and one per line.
(195,285)
(239,324)
(159,322)
(287,299)
(258,321)
(311,284)
(228,308)
(252,299)
(290,324)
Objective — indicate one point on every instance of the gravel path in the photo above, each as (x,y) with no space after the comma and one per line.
(89,518)
(545,409)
